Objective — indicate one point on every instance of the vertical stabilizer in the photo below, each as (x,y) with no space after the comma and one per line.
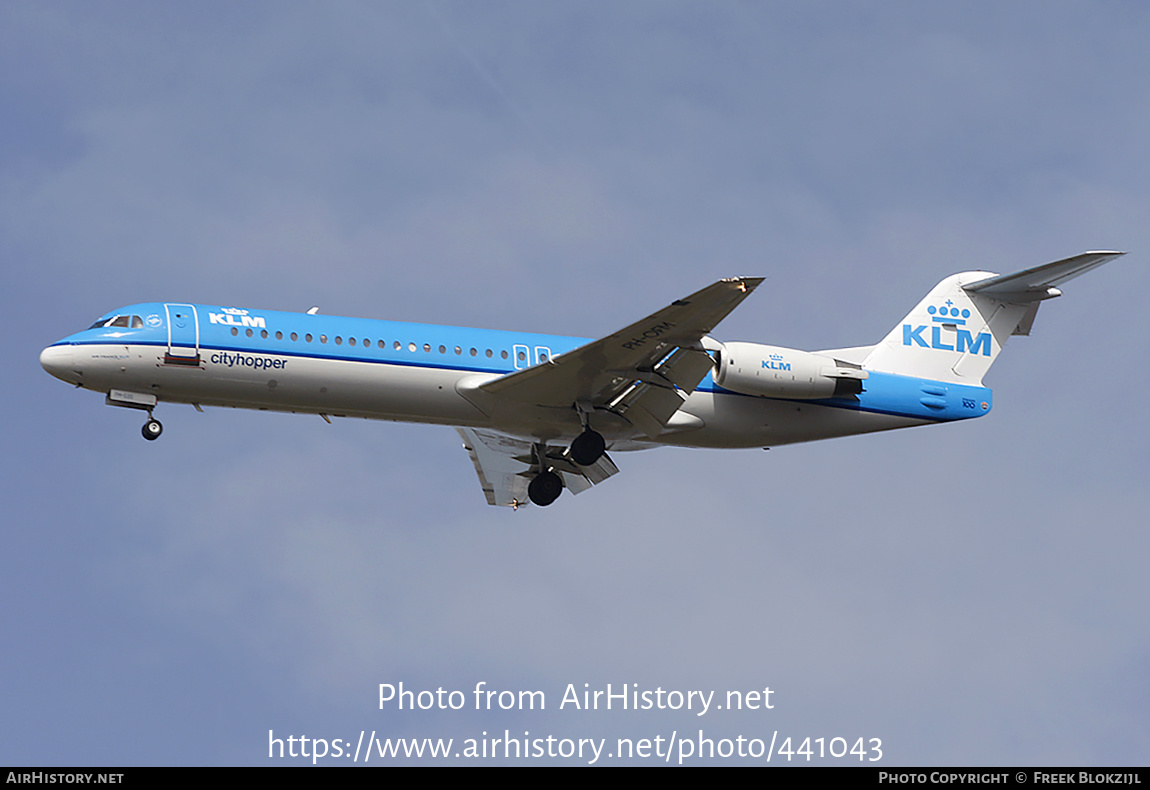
(957,331)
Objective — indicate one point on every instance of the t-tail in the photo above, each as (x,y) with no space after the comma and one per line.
(956,332)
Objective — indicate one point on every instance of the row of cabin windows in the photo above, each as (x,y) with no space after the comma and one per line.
(351,341)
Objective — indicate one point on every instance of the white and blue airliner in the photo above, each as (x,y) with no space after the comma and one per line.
(537,413)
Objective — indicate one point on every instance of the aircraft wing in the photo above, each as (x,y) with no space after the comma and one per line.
(505,466)
(1040,282)
(639,372)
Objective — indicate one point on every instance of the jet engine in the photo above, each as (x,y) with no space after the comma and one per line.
(775,372)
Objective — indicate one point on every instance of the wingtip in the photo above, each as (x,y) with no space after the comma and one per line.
(745,283)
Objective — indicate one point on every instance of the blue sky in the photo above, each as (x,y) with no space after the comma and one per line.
(970,594)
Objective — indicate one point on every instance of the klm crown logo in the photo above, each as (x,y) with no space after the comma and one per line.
(941,314)
(775,362)
(233,316)
(947,316)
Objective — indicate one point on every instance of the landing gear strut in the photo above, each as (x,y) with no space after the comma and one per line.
(152,429)
(545,488)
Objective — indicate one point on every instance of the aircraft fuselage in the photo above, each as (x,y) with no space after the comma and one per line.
(355,367)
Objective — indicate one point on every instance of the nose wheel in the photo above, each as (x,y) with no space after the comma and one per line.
(152,429)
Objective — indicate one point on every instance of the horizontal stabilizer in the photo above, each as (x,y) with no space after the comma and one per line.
(1040,282)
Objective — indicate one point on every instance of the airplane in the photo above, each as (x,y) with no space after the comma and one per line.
(537,413)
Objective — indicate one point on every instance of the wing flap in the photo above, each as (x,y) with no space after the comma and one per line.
(581,478)
(496,464)
(648,407)
(686,368)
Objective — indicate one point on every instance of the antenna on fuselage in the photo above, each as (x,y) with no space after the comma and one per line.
(313,310)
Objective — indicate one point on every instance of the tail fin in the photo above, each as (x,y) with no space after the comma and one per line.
(955,333)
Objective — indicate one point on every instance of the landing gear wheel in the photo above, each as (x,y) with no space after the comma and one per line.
(152,429)
(545,488)
(587,448)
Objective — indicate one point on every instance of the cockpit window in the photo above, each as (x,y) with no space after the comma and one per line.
(125,321)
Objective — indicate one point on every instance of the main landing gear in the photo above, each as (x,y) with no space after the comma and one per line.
(152,429)
(545,488)
(547,485)
(588,447)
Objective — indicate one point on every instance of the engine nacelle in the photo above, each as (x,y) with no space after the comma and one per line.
(775,372)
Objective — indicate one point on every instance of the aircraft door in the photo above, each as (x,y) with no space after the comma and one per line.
(542,354)
(522,357)
(183,334)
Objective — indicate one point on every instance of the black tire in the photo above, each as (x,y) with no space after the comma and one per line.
(587,448)
(545,488)
(152,430)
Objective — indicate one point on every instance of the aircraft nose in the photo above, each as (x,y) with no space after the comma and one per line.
(57,360)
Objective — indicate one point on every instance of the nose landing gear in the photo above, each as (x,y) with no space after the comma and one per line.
(144,401)
(152,429)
